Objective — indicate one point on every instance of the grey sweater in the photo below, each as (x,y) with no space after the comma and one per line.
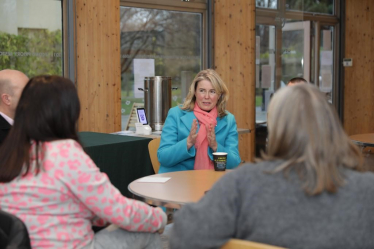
(269,208)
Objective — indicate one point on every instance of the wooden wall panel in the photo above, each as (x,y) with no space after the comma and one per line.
(359,79)
(234,60)
(98,65)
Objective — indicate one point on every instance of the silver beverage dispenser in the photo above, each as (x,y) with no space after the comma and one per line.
(157,100)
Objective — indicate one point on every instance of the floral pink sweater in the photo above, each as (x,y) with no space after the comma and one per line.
(69,195)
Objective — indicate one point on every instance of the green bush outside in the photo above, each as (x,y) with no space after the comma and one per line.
(32,52)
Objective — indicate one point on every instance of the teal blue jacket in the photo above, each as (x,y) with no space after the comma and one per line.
(173,154)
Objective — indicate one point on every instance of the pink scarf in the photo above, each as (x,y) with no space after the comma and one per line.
(202,160)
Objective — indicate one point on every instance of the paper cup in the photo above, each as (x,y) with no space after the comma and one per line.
(219,160)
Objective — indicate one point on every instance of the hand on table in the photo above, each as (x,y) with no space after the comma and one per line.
(191,139)
(211,135)
(161,230)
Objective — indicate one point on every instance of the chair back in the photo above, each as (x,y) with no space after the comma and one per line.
(152,148)
(245,244)
(13,232)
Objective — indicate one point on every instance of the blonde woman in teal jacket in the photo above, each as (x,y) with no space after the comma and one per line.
(201,126)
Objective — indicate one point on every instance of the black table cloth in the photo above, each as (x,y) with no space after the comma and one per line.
(123,158)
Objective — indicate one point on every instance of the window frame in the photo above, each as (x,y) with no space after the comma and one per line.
(195,6)
(68,40)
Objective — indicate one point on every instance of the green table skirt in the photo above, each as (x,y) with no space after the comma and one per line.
(122,158)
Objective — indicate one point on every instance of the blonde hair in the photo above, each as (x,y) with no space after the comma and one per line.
(218,85)
(305,132)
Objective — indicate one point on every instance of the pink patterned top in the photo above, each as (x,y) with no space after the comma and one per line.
(68,196)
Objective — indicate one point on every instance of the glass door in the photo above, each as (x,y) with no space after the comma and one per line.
(326,60)
(294,39)
(265,69)
(295,51)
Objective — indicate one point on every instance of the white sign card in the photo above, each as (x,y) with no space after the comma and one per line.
(142,68)
(154,179)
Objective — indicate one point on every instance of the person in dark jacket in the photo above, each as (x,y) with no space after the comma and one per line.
(12,83)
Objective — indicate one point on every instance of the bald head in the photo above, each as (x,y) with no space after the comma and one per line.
(12,83)
(295,81)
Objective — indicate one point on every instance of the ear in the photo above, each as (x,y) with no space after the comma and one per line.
(5,98)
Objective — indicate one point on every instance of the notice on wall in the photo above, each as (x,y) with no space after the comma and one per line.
(266,76)
(142,68)
(326,58)
(326,81)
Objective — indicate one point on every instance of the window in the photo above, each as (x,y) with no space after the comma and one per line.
(31,36)
(295,50)
(272,4)
(314,6)
(265,68)
(326,60)
(159,41)
(295,38)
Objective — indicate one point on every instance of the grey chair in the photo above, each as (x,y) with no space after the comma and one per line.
(13,232)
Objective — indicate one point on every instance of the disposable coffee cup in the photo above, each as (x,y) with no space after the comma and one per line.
(219,160)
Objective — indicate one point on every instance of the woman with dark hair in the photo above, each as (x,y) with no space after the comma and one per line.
(309,191)
(48,181)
